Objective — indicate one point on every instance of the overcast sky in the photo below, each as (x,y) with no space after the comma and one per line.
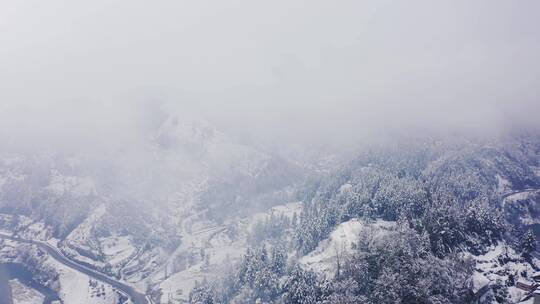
(279,71)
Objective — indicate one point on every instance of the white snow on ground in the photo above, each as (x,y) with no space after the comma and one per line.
(75,256)
(79,236)
(53,242)
(189,155)
(526,218)
(117,248)
(520,196)
(8,221)
(179,285)
(5,231)
(23,294)
(323,259)
(36,231)
(492,254)
(288,210)
(491,268)
(82,238)
(25,226)
(75,287)
(206,250)
(479,281)
(203,254)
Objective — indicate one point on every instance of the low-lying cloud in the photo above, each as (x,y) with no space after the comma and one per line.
(280,72)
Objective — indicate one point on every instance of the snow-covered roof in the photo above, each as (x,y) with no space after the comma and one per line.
(479,281)
(525,282)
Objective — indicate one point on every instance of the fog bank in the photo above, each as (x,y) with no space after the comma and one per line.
(281,73)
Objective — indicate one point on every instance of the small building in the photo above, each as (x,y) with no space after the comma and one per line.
(525,285)
(479,285)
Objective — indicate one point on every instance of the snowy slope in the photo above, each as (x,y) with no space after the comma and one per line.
(207,251)
(341,241)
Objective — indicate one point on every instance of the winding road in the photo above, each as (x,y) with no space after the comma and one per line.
(512,192)
(136,297)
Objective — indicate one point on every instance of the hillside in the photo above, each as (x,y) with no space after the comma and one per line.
(145,214)
(406,222)
(197,217)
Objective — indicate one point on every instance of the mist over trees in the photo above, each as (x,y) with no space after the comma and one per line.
(273,151)
(446,203)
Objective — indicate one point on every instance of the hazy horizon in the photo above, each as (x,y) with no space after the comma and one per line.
(304,73)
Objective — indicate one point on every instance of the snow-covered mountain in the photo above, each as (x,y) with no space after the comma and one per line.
(193,215)
(432,221)
(146,212)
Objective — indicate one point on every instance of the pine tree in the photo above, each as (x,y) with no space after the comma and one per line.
(528,243)
(301,287)
(279,260)
(201,294)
